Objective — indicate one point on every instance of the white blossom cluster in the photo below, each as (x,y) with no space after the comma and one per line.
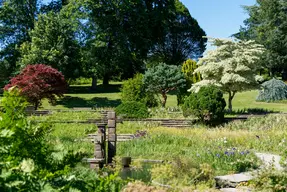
(232,66)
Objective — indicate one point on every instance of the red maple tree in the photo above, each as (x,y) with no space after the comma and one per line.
(39,81)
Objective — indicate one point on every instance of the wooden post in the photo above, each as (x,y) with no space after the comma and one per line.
(100,146)
(112,135)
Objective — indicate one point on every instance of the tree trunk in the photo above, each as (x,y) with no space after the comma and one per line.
(36,105)
(106,79)
(164,99)
(94,82)
(284,75)
(230,97)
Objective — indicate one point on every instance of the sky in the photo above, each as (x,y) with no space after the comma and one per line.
(218,18)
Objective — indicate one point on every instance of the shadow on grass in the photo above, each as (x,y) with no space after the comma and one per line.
(115,88)
(251,111)
(71,102)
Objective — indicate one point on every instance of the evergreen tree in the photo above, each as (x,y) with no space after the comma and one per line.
(267,25)
(163,78)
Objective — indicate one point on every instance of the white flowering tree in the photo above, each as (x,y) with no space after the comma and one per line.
(232,66)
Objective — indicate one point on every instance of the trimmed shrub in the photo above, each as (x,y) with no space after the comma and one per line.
(208,105)
(273,90)
(133,90)
(132,109)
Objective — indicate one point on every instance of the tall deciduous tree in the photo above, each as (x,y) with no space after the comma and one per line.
(53,43)
(182,38)
(162,79)
(232,67)
(128,32)
(16,19)
(267,25)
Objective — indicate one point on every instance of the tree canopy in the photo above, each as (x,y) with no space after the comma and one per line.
(96,38)
(232,66)
(183,38)
(130,32)
(267,25)
(17,17)
(162,79)
(53,43)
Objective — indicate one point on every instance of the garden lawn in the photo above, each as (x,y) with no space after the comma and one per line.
(247,100)
(244,100)
(110,97)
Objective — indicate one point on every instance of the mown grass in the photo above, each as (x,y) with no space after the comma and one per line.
(241,101)
(109,96)
(68,115)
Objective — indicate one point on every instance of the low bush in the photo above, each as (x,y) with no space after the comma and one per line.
(207,105)
(270,180)
(273,90)
(132,109)
(133,90)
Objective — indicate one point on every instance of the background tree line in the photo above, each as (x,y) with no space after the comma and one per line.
(103,39)
(267,25)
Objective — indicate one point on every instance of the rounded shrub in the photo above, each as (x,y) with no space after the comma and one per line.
(208,105)
(133,90)
(132,109)
(272,90)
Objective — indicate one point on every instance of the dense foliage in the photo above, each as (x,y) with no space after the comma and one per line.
(16,19)
(188,68)
(96,39)
(27,160)
(267,25)
(232,67)
(162,79)
(53,44)
(208,105)
(37,82)
(31,162)
(182,38)
(132,109)
(272,90)
(133,90)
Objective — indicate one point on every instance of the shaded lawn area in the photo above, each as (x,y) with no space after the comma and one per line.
(110,96)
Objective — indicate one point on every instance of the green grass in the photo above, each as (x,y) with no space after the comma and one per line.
(199,144)
(68,115)
(225,149)
(109,97)
(247,99)
(241,101)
